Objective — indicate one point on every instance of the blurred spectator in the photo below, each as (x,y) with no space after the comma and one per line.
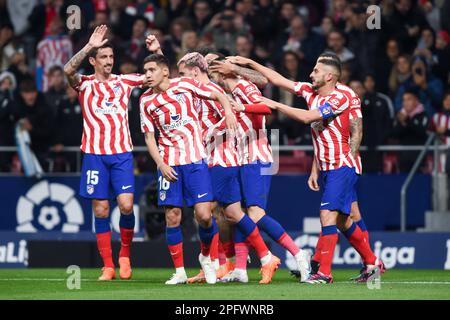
(120,21)
(288,11)
(426,45)
(224,31)
(292,70)
(386,74)
(172,11)
(177,28)
(54,49)
(166,45)
(336,44)
(337,13)
(135,47)
(244,47)
(68,131)
(263,22)
(306,44)
(440,123)
(7,47)
(189,42)
(35,116)
(401,75)
(346,74)
(378,120)
(410,128)
(363,42)
(405,23)
(4,14)
(41,18)
(201,16)
(7,87)
(57,88)
(441,57)
(429,87)
(432,13)
(326,26)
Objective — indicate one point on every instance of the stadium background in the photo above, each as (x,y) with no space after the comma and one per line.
(41,215)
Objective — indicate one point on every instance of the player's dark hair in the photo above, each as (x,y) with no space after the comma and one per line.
(94,51)
(330,55)
(159,59)
(333,63)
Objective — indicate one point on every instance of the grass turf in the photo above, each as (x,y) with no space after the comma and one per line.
(149,284)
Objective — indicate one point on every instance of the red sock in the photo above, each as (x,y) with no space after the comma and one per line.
(286,242)
(176,253)
(241,250)
(222,256)
(126,237)
(104,247)
(257,242)
(359,242)
(319,245)
(327,253)
(366,235)
(214,251)
(228,248)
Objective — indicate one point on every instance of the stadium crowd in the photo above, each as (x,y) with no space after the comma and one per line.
(400,71)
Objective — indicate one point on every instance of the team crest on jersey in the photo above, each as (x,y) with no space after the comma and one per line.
(355,101)
(250,89)
(117,89)
(162,195)
(90,189)
(181,98)
(334,101)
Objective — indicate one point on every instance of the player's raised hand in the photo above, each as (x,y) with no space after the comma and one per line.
(312,182)
(97,38)
(239,60)
(223,67)
(238,107)
(168,172)
(152,43)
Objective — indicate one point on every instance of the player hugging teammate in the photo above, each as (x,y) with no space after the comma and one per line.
(213,154)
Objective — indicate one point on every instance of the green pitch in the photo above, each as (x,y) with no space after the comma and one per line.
(149,284)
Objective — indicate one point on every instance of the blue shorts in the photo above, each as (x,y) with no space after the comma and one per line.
(339,189)
(193,186)
(255,186)
(106,176)
(225,184)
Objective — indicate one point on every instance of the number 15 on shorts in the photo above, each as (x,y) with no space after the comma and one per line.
(92,177)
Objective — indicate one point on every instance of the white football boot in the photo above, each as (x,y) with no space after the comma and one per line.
(208,269)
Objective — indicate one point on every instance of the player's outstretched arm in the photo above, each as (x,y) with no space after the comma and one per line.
(305,116)
(273,76)
(96,40)
(167,171)
(356,134)
(227,68)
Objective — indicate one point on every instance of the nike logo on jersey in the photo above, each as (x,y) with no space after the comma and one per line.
(201,195)
(126,187)
(324,204)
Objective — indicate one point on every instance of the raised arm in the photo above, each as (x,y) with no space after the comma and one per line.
(229,115)
(153,45)
(273,76)
(226,67)
(96,40)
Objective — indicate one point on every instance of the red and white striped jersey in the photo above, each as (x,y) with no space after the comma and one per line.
(355,113)
(330,136)
(174,113)
(220,147)
(105,113)
(51,51)
(439,120)
(253,143)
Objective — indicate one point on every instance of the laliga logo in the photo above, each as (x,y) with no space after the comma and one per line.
(46,201)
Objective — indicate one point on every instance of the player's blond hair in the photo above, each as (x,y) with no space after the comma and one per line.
(194,59)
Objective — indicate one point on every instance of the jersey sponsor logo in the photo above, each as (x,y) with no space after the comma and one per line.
(174,117)
(178,124)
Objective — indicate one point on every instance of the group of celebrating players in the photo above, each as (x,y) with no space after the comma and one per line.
(213,154)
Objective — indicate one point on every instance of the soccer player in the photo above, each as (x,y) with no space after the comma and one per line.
(223,162)
(355,122)
(106,144)
(170,105)
(255,175)
(329,117)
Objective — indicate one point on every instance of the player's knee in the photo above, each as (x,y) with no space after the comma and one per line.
(126,207)
(173,217)
(256,213)
(203,216)
(101,210)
